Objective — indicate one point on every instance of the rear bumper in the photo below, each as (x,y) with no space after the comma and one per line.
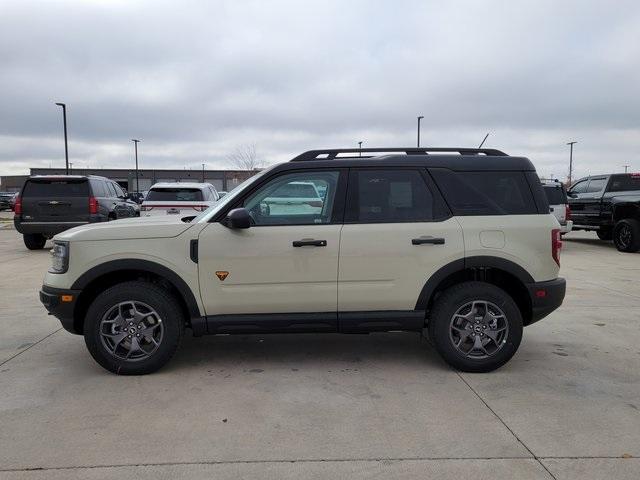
(546,297)
(566,227)
(51,298)
(50,229)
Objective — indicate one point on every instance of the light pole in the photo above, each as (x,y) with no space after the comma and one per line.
(70,169)
(360,147)
(135,142)
(203,173)
(419,118)
(626,167)
(571,159)
(66,148)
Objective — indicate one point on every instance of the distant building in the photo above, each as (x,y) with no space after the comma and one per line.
(223,180)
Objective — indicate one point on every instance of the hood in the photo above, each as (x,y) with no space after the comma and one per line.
(127,228)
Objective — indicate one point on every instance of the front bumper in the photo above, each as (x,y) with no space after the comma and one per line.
(52,299)
(546,297)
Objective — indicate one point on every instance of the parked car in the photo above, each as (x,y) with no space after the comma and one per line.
(179,199)
(291,197)
(460,246)
(51,204)
(5,200)
(559,204)
(137,197)
(610,206)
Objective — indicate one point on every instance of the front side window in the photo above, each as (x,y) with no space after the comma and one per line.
(579,187)
(294,199)
(390,196)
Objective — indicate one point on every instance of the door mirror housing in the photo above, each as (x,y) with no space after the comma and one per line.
(238,218)
(572,195)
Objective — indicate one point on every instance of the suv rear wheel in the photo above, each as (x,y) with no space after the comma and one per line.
(626,235)
(133,328)
(475,326)
(34,241)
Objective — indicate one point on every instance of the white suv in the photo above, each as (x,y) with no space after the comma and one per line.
(455,243)
(178,199)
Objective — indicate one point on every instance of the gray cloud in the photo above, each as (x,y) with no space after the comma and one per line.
(196,79)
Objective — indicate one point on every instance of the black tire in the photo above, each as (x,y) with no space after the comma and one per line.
(626,235)
(605,233)
(171,322)
(34,241)
(455,298)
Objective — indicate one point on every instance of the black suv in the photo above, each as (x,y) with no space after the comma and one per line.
(48,205)
(610,205)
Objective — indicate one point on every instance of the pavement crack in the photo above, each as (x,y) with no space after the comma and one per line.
(30,347)
(536,458)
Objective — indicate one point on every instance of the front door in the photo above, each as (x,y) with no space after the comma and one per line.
(287,261)
(397,233)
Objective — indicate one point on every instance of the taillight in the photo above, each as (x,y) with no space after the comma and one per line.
(567,213)
(93,206)
(17,207)
(556,244)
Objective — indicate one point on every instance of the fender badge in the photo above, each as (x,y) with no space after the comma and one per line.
(222,275)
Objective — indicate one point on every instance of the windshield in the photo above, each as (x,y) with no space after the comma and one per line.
(229,197)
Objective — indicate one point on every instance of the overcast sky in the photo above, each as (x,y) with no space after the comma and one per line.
(194,80)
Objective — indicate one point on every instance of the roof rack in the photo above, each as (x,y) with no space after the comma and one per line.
(333,153)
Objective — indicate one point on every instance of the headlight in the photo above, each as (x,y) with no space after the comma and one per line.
(59,257)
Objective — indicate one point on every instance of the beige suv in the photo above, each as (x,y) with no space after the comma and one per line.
(454,243)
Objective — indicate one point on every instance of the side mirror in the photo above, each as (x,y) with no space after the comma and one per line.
(238,218)
(572,195)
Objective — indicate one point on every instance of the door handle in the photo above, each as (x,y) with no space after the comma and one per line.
(309,243)
(429,240)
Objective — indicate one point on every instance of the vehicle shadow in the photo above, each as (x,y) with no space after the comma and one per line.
(295,351)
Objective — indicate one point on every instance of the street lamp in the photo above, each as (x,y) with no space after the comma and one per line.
(203,173)
(360,147)
(419,118)
(66,148)
(135,142)
(571,159)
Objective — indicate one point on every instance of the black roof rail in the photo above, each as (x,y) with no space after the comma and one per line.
(333,153)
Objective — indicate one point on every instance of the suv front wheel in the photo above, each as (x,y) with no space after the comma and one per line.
(133,328)
(475,326)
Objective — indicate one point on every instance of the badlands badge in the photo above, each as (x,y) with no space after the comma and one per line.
(222,275)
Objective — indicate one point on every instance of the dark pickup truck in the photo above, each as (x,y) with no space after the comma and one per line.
(610,206)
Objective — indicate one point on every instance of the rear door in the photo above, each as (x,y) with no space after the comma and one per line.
(397,233)
(592,200)
(56,200)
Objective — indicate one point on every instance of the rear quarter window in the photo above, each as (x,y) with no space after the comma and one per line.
(485,192)
(625,183)
(56,188)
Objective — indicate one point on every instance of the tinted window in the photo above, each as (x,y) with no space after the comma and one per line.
(485,193)
(174,194)
(622,183)
(98,188)
(555,194)
(56,188)
(292,199)
(596,184)
(389,196)
(111,191)
(119,191)
(579,187)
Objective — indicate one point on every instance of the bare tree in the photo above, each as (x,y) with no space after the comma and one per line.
(245,158)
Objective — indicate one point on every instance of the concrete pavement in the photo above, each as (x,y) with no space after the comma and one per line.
(330,406)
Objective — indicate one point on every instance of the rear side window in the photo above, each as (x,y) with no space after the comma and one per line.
(596,184)
(98,188)
(391,196)
(485,193)
(625,183)
(56,188)
(174,194)
(555,195)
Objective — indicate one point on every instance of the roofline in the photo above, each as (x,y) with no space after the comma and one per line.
(333,153)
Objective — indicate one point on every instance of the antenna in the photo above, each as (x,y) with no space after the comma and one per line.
(483,140)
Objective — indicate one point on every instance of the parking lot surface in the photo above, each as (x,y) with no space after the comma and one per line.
(567,406)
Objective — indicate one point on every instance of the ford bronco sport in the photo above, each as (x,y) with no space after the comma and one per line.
(457,243)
